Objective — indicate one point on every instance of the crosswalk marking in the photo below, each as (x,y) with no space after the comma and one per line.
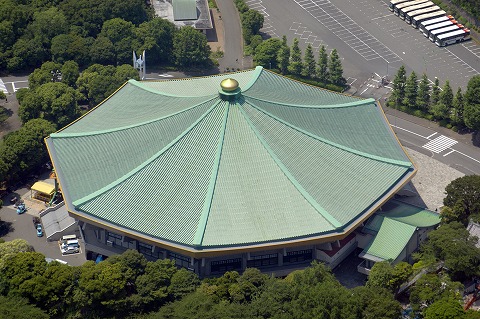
(439,144)
(3,88)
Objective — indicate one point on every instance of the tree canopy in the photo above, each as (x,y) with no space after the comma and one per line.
(190,48)
(462,199)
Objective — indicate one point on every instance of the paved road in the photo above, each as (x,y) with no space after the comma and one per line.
(443,145)
(233,49)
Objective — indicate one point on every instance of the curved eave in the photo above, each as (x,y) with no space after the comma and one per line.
(202,251)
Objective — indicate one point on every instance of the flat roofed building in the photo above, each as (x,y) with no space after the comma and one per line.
(194,13)
(214,176)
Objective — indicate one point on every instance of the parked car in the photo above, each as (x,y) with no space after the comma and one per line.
(39,230)
(21,208)
(70,250)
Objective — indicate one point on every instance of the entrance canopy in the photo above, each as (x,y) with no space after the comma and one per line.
(44,188)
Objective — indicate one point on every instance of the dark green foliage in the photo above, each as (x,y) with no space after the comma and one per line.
(156,37)
(472,103)
(384,275)
(32,32)
(252,22)
(190,48)
(411,91)
(309,65)
(435,96)
(448,308)
(431,288)
(19,308)
(398,92)
(70,73)
(458,107)
(423,96)
(446,96)
(322,72)
(55,102)
(23,152)
(97,82)
(463,198)
(453,244)
(335,69)
(295,66)
(283,57)
(266,53)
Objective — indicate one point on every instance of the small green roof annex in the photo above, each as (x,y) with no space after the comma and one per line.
(178,162)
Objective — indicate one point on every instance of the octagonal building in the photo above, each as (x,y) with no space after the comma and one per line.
(248,169)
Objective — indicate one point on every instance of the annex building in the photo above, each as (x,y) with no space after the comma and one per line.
(248,169)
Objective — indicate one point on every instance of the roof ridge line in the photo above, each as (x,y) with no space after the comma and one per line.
(256,75)
(327,106)
(68,135)
(202,223)
(342,147)
(143,87)
(102,190)
(290,177)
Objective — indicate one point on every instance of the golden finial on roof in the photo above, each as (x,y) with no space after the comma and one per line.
(229,85)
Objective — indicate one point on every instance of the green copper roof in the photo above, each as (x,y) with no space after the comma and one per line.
(391,239)
(176,161)
(394,226)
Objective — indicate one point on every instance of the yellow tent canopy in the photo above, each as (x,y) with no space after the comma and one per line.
(44,188)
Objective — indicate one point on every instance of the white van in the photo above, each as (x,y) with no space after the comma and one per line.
(68,237)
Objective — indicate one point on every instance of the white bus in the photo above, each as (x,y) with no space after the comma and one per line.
(426,23)
(435,33)
(430,28)
(414,14)
(397,8)
(427,16)
(452,37)
(393,3)
(404,11)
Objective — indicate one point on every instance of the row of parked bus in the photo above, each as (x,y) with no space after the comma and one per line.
(440,28)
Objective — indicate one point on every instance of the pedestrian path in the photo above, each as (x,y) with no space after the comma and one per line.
(3,88)
(440,144)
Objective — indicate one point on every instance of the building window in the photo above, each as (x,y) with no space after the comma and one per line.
(298,256)
(180,260)
(148,250)
(226,265)
(263,261)
(116,240)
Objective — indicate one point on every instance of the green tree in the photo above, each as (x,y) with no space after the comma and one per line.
(71,47)
(56,102)
(472,103)
(453,244)
(398,91)
(190,48)
(121,33)
(309,65)
(283,57)
(411,91)
(46,25)
(156,38)
(103,51)
(335,69)
(70,73)
(448,308)
(252,22)
(435,96)
(458,107)
(446,96)
(440,110)
(183,282)
(24,151)
(43,75)
(266,53)
(423,96)
(295,66)
(432,287)
(19,308)
(322,71)
(463,197)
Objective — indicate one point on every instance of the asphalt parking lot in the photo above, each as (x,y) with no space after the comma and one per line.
(370,38)
(23,227)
